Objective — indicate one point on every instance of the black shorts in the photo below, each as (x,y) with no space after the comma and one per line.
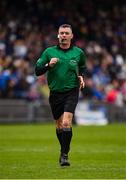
(61,102)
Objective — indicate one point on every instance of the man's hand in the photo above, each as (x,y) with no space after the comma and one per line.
(82,83)
(53,61)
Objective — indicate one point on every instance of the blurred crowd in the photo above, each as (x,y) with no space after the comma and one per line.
(27,27)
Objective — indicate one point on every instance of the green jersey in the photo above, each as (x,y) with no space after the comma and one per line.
(64,75)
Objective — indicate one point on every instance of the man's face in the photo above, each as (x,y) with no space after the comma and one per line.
(65,35)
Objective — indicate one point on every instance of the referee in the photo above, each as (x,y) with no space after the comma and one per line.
(64,64)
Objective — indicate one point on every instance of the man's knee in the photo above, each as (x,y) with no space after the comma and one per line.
(59,123)
(66,124)
(67,120)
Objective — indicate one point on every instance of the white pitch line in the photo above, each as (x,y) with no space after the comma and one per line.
(23,149)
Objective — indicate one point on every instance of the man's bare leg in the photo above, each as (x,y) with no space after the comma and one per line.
(66,137)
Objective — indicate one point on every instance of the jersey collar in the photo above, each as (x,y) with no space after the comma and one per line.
(71,46)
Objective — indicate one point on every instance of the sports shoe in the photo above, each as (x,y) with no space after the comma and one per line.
(64,160)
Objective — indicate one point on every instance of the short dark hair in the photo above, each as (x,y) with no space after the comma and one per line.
(66,26)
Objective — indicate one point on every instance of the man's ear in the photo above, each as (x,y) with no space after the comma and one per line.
(58,36)
(72,36)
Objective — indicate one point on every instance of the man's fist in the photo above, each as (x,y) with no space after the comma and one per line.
(53,61)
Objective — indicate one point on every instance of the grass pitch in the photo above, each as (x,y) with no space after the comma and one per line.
(32,152)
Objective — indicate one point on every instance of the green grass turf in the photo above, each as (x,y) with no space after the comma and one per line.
(32,152)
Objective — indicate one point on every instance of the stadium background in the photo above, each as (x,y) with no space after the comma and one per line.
(27,27)
(30,150)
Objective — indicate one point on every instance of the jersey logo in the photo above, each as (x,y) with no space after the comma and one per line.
(73,61)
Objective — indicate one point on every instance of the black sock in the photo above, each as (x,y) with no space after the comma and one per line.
(59,135)
(66,139)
